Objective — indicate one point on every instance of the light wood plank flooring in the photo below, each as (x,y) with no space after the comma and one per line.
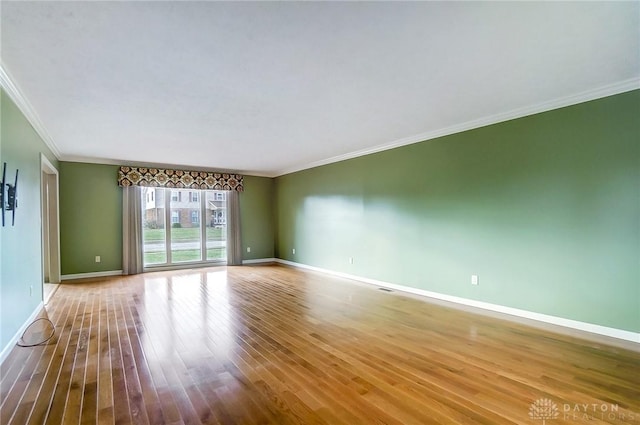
(276,345)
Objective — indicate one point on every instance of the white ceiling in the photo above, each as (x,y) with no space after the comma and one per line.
(268,88)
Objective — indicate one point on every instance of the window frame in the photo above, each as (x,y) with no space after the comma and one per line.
(172,195)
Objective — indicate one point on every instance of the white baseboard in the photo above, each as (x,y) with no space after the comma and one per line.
(90,275)
(539,317)
(12,342)
(260,261)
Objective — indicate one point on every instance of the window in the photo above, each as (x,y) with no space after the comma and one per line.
(197,231)
(219,217)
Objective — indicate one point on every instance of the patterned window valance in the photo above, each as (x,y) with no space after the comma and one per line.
(158,177)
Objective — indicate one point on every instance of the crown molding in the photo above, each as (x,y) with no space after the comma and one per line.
(124,162)
(14,92)
(593,94)
(7,82)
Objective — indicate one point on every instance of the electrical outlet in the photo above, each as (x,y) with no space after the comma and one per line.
(474,279)
(350,260)
(248,249)
(97,258)
(293,251)
(31,290)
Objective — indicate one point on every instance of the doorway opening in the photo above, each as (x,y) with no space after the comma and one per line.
(50,228)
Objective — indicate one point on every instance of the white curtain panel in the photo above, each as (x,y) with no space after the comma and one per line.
(234,241)
(132,260)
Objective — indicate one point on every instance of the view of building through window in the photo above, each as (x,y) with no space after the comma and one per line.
(188,238)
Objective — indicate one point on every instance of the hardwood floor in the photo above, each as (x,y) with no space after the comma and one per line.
(270,344)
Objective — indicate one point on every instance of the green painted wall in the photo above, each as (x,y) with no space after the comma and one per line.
(545,209)
(90,218)
(256,216)
(21,261)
